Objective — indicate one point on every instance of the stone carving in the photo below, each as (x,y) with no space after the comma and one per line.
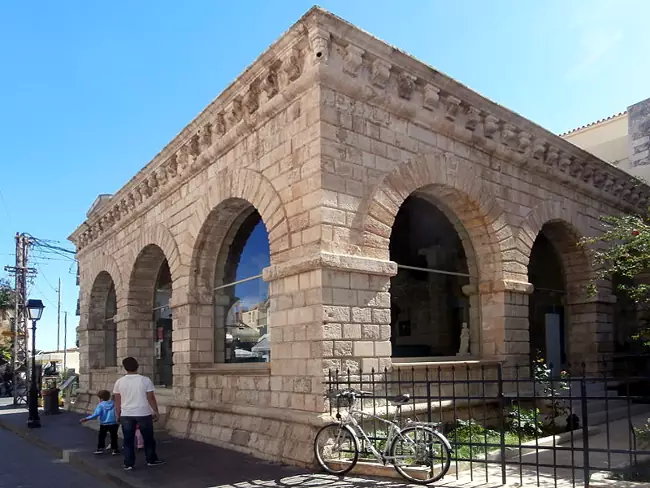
(452,106)
(194,149)
(490,126)
(152,182)
(575,167)
(380,73)
(251,100)
(564,163)
(473,118)
(270,85)
(552,156)
(539,149)
(405,85)
(508,133)
(236,112)
(220,124)
(598,179)
(162,176)
(431,97)
(292,65)
(525,140)
(319,40)
(463,350)
(172,166)
(353,60)
(206,137)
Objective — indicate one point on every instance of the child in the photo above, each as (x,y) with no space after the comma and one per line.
(105,411)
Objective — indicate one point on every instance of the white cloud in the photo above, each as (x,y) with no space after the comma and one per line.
(597,45)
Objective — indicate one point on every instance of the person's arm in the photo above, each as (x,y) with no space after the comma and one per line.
(117,401)
(98,411)
(151,398)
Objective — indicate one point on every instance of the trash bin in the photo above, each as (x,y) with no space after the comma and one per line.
(51,401)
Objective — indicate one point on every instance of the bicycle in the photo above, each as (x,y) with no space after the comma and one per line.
(428,449)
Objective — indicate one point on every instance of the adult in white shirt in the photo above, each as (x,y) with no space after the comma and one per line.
(135,405)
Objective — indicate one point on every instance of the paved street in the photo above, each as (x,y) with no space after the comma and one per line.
(24,465)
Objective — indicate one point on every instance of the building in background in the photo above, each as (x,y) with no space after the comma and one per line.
(622,139)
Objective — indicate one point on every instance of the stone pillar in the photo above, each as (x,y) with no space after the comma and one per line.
(135,335)
(504,324)
(590,332)
(192,343)
(327,312)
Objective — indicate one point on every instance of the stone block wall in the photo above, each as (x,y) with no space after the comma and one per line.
(638,120)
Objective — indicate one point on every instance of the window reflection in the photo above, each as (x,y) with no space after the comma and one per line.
(110,327)
(162,315)
(241,302)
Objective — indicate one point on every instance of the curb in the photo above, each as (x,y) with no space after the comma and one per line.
(71,457)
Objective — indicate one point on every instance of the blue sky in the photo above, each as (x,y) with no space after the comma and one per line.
(91,91)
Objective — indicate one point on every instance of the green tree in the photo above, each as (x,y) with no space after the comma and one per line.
(6,303)
(623,252)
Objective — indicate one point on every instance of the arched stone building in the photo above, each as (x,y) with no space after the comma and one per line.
(340,205)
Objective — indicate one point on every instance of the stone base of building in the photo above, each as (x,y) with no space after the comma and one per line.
(279,435)
(268,433)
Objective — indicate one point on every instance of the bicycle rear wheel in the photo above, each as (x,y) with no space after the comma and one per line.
(420,455)
(336,448)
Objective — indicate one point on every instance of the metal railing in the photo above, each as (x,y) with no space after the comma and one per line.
(527,424)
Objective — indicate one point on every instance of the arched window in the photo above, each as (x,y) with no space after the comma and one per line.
(241,295)
(428,308)
(110,346)
(546,305)
(162,315)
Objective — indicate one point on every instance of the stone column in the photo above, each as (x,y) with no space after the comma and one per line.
(504,324)
(135,335)
(327,312)
(590,331)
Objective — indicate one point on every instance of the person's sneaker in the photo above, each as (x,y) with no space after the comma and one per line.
(159,462)
(115,452)
(128,468)
(99,451)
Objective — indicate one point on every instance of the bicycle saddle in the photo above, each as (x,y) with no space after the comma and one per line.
(401,399)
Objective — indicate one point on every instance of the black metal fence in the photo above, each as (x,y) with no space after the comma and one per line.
(532,425)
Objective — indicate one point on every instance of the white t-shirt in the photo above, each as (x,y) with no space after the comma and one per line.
(133,389)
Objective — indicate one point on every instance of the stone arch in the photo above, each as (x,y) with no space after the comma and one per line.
(101,321)
(227,197)
(108,264)
(453,185)
(545,213)
(561,227)
(160,237)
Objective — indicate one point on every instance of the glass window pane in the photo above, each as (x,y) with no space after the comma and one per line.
(241,303)
(241,313)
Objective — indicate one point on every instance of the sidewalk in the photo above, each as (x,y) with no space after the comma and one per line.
(190,464)
(193,464)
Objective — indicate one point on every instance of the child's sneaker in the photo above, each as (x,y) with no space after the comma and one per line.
(128,468)
(115,452)
(99,451)
(158,462)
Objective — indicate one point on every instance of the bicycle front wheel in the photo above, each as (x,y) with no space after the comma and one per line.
(420,455)
(336,448)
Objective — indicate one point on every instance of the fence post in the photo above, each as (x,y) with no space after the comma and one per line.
(585,428)
(502,423)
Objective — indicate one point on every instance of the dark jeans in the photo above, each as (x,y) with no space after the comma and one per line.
(146,429)
(108,429)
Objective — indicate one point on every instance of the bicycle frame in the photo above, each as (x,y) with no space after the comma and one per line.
(393,432)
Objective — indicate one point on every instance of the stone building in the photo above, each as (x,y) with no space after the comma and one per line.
(622,139)
(369,209)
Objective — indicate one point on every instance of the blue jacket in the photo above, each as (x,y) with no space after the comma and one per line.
(105,411)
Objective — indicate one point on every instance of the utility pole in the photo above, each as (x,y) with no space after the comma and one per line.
(65,344)
(58,317)
(20,353)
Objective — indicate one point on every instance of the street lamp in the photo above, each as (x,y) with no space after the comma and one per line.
(34,312)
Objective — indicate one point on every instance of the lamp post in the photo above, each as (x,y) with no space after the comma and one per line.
(34,312)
